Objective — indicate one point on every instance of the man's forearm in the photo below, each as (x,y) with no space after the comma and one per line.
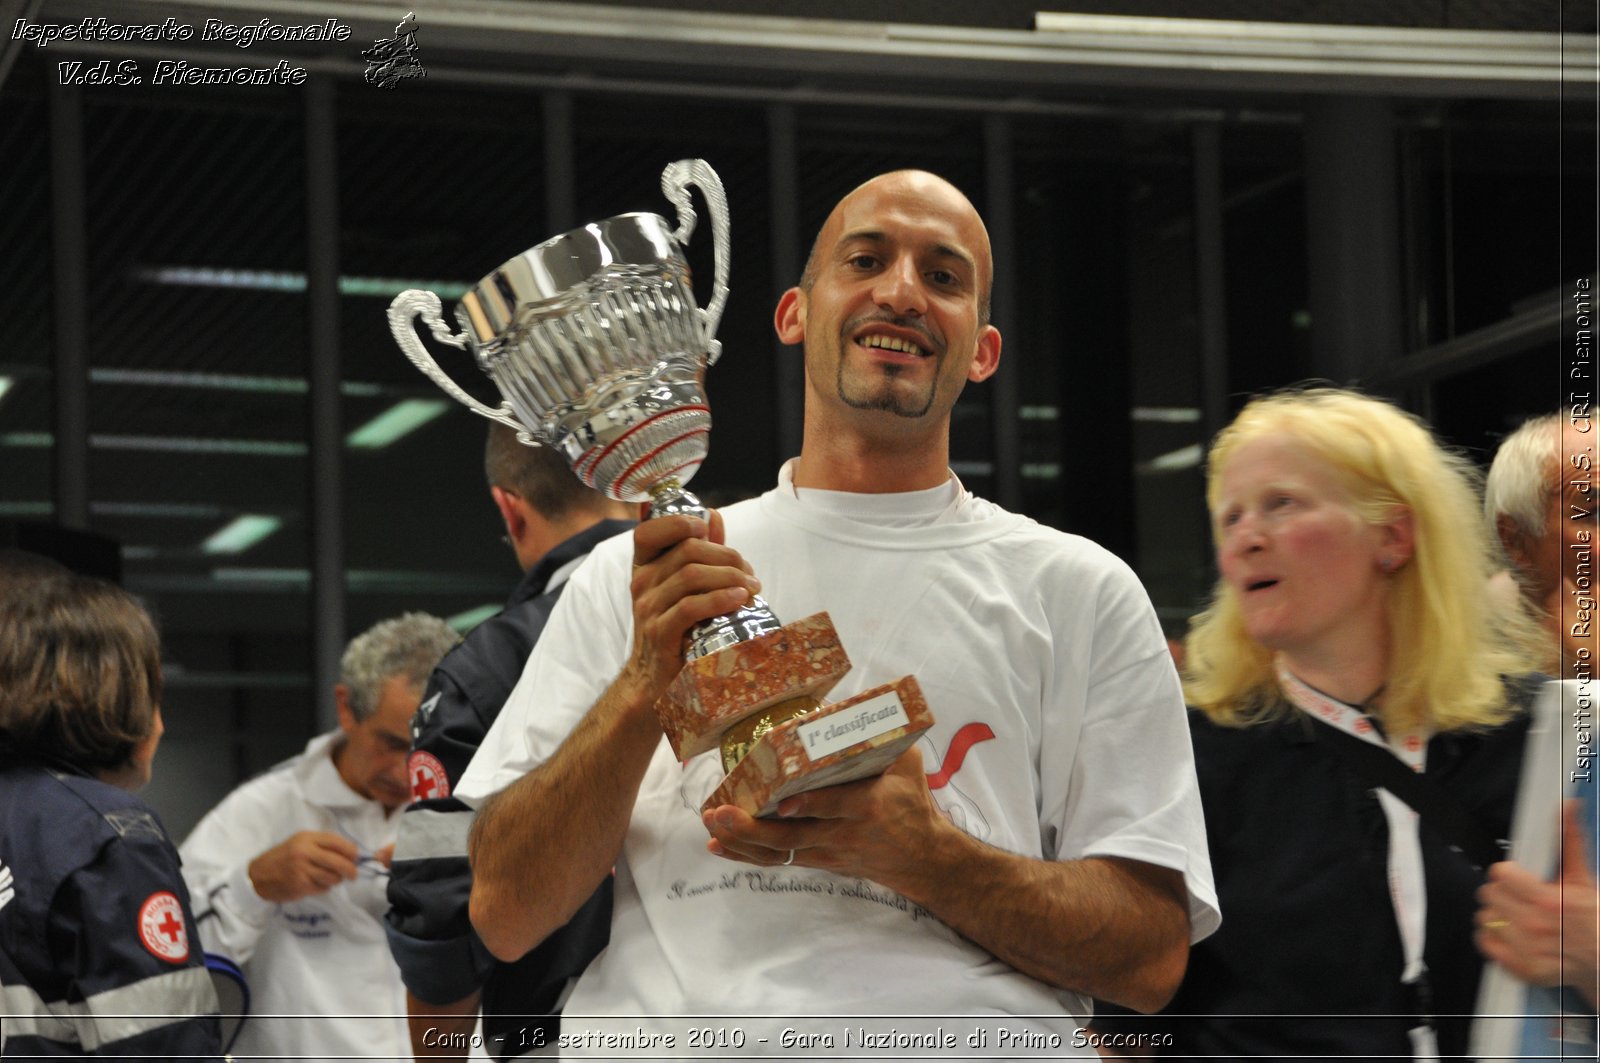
(540,847)
(1117,930)
(442,1031)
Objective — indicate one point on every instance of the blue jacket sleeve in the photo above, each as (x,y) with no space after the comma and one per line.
(122,925)
(440,956)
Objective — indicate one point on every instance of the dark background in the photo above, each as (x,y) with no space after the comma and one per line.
(193,278)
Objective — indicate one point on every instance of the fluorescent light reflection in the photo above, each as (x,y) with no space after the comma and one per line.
(360,581)
(272,385)
(160,510)
(465,622)
(257,448)
(371,435)
(241,533)
(260,280)
(1188,457)
(1166,414)
(398,421)
(292,577)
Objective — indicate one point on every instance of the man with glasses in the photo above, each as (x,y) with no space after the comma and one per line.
(288,873)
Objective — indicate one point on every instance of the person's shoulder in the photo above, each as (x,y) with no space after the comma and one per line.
(1523,690)
(745,512)
(105,800)
(485,666)
(1202,728)
(510,633)
(1228,741)
(1052,545)
(77,814)
(267,787)
(608,555)
(1232,762)
(1068,569)
(1504,740)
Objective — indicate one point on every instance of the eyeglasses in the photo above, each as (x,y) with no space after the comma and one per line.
(366,862)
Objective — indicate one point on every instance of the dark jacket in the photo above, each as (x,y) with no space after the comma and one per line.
(98,949)
(1308,960)
(441,958)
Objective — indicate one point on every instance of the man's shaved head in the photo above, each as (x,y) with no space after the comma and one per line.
(918,182)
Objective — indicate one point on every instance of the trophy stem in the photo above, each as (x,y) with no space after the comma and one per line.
(670,498)
(754,618)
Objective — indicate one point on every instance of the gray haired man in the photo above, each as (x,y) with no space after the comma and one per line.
(1539,497)
(288,872)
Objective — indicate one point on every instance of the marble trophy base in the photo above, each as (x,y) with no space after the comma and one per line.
(849,740)
(852,739)
(714,692)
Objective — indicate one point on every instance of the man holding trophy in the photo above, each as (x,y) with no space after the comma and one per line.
(1038,841)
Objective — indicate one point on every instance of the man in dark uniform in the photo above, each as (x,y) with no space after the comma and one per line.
(98,950)
(552,522)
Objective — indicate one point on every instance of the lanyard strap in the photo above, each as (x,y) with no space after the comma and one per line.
(1407,887)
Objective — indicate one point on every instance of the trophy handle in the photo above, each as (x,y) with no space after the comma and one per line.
(414,303)
(675,182)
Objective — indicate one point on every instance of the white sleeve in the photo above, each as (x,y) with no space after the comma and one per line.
(228,912)
(1129,780)
(582,648)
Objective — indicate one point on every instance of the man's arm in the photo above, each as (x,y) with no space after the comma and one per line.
(306,862)
(567,818)
(442,1031)
(237,876)
(441,960)
(1111,928)
(1545,933)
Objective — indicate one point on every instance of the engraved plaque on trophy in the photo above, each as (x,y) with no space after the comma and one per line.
(597,347)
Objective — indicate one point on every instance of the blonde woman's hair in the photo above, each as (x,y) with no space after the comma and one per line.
(1450,646)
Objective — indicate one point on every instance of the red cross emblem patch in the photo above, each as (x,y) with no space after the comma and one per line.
(161,928)
(428,779)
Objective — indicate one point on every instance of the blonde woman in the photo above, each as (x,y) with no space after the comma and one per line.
(1352,621)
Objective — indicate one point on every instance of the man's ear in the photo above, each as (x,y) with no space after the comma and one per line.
(511,513)
(341,700)
(1513,541)
(987,358)
(789,320)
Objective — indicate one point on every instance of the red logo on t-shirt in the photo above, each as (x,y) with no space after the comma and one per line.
(161,928)
(965,739)
(428,779)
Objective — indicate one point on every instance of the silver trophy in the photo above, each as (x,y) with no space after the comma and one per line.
(597,347)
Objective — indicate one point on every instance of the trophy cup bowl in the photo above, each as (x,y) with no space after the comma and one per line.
(598,349)
(595,343)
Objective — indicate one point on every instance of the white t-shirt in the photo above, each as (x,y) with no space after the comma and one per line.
(322,981)
(1060,734)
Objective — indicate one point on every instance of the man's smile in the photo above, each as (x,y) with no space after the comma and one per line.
(895,344)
